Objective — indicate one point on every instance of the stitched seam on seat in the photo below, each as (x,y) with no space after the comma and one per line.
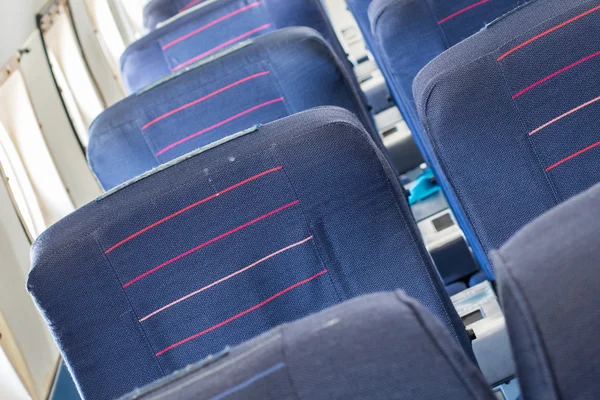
(506,88)
(440,27)
(307,226)
(152,151)
(459,375)
(276,80)
(462,11)
(539,347)
(140,327)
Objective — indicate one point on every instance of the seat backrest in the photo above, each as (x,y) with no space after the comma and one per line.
(399,351)
(268,78)
(407,34)
(214,26)
(548,281)
(510,116)
(225,243)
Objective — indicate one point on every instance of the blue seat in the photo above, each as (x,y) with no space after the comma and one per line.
(398,351)
(275,75)
(407,34)
(548,281)
(214,27)
(223,244)
(510,117)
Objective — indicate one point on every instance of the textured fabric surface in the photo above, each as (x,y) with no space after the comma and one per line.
(548,280)
(426,28)
(380,346)
(213,27)
(225,244)
(511,115)
(276,75)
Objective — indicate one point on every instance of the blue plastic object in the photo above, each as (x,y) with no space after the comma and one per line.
(425,187)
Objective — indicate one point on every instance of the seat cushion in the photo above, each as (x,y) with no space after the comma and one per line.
(218,246)
(511,118)
(272,76)
(212,27)
(548,281)
(399,351)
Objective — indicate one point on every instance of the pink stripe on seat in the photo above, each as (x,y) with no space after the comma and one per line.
(222,45)
(449,17)
(547,32)
(210,24)
(210,128)
(564,160)
(191,4)
(254,264)
(256,307)
(560,71)
(196,204)
(547,124)
(211,241)
(208,96)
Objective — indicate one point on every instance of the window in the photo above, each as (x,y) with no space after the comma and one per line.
(78,88)
(35,183)
(107,32)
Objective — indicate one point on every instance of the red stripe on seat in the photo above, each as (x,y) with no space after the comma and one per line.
(541,35)
(560,71)
(191,4)
(222,45)
(564,160)
(213,23)
(210,128)
(214,196)
(211,241)
(259,305)
(547,124)
(201,99)
(233,275)
(449,17)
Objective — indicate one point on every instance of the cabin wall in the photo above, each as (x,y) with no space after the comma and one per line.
(17,22)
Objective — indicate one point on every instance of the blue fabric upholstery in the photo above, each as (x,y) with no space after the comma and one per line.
(548,280)
(407,34)
(213,27)
(511,118)
(383,346)
(226,243)
(276,75)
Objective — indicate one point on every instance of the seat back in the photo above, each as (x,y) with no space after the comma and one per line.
(399,351)
(408,34)
(270,77)
(225,243)
(548,281)
(212,27)
(510,116)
